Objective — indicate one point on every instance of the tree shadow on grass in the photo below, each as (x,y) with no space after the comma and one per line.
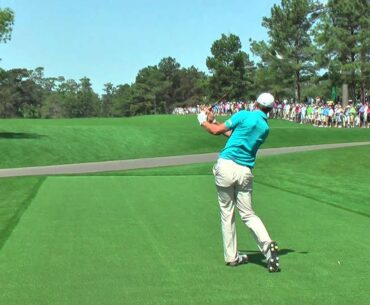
(256,257)
(9,222)
(20,135)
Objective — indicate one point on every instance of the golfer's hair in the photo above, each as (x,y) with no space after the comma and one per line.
(263,108)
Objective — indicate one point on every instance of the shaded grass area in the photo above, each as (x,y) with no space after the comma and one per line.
(156,240)
(46,142)
(15,196)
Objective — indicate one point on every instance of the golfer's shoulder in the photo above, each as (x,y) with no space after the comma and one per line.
(243,113)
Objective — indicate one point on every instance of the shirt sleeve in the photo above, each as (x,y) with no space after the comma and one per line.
(236,119)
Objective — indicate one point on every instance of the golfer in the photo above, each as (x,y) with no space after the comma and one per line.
(246,130)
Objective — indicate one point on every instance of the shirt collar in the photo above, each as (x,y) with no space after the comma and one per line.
(262,114)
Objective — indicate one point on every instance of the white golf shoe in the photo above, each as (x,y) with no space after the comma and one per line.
(272,257)
(242,259)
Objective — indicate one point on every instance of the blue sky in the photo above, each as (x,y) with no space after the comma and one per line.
(111,40)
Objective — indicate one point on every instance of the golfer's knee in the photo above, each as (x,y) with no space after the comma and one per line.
(246,216)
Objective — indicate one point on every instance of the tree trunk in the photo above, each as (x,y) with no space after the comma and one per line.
(298,85)
(362,92)
(345,94)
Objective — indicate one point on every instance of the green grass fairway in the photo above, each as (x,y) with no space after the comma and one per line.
(156,240)
(46,142)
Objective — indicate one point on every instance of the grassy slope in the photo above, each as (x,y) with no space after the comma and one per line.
(149,240)
(45,142)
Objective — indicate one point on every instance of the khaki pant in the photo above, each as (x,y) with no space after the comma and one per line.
(234,186)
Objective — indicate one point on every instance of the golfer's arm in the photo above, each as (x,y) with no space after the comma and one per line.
(217,129)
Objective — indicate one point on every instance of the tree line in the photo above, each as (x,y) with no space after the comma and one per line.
(313,49)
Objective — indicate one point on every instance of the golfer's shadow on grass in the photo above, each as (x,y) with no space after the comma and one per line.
(256,257)
(20,135)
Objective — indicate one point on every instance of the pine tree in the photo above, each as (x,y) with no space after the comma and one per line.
(289,53)
(343,37)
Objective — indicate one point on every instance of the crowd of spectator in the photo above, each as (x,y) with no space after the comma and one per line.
(221,108)
(318,112)
(325,114)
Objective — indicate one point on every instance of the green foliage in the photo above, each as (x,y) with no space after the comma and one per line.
(6,24)
(289,29)
(152,89)
(77,99)
(121,101)
(19,94)
(343,38)
(52,107)
(107,100)
(317,87)
(193,87)
(87,101)
(157,90)
(231,69)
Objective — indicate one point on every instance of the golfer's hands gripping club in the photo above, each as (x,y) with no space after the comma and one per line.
(211,117)
(202,117)
(206,114)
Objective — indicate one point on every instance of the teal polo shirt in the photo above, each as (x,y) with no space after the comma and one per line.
(249,131)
